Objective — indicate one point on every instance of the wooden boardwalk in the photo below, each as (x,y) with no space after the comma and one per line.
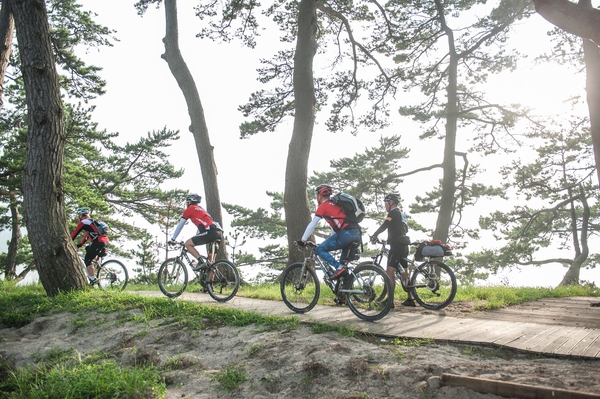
(563,327)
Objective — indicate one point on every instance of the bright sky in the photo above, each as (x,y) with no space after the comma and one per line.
(142,96)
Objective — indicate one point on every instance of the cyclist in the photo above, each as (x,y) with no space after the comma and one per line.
(395,223)
(208,230)
(98,245)
(344,233)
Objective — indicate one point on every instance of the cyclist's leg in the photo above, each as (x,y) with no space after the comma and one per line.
(212,236)
(205,237)
(91,251)
(345,239)
(330,244)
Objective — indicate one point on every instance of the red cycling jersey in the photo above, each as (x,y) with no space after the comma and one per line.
(198,216)
(333,214)
(91,231)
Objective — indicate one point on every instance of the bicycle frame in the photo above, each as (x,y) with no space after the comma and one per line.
(334,285)
(425,279)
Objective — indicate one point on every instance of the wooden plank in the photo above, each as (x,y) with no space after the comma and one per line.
(572,342)
(555,344)
(523,331)
(511,389)
(593,350)
(547,340)
(456,333)
(487,332)
(532,340)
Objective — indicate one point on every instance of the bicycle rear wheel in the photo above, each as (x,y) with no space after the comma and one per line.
(299,287)
(433,285)
(223,280)
(112,276)
(366,290)
(172,277)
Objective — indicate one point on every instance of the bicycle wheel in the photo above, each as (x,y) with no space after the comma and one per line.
(433,285)
(112,275)
(172,277)
(300,287)
(366,291)
(383,293)
(223,280)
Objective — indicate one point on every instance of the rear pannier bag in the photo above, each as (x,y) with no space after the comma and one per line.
(432,249)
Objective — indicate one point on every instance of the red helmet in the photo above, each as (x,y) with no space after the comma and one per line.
(324,190)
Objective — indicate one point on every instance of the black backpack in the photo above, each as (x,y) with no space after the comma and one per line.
(353,207)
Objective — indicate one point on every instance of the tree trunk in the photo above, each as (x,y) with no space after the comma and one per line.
(584,21)
(10,272)
(198,126)
(296,205)
(7,25)
(571,18)
(591,54)
(446,212)
(53,250)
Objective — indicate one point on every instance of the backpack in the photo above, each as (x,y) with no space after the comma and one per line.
(102,227)
(353,207)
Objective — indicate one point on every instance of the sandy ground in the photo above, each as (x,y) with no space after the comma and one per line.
(293,363)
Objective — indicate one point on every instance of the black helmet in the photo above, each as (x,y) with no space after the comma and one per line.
(194,198)
(395,198)
(324,190)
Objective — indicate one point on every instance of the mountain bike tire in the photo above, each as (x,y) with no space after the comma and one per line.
(300,288)
(433,285)
(223,280)
(112,276)
(172,277)
(368,287)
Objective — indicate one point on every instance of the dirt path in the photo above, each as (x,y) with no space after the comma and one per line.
(292,363)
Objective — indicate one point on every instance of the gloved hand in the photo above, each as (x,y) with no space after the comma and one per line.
(172,242)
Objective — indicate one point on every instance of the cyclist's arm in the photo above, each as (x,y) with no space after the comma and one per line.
(178,228)
(311,227)
(383,227)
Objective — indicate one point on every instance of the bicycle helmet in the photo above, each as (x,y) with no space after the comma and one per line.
(392,197)
(83,211)
(194,198)
(324,190)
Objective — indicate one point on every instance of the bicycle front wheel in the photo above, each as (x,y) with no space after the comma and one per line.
(223,280)
(433,285)
(300,287)
(112,276)
(366,290)
(172,277)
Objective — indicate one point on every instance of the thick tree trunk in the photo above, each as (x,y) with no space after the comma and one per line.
(447,202)
(10,272)
(46,220)
(198,127)
(584,21)
(296,205)
(7,26)
(592,85)
(571,18)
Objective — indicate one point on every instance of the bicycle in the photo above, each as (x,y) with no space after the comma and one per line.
(360,289)
(219,278)
(431,283)
(111,275)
